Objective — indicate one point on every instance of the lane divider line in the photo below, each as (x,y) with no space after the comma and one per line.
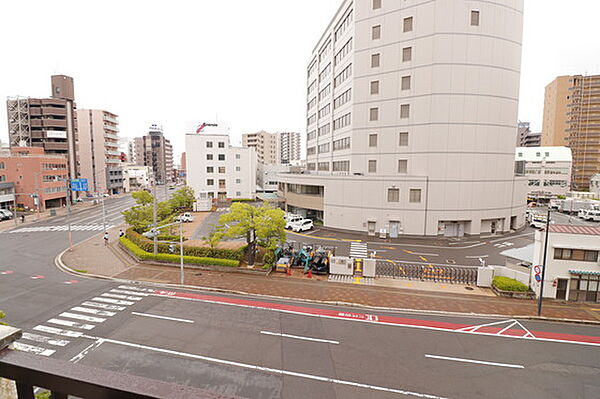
(458,359)
(155,316)
(327,341)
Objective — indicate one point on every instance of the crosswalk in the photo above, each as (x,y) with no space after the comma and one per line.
(59,331)
(76,227)
(358,250)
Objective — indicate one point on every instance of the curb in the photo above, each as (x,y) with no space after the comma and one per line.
(61,266)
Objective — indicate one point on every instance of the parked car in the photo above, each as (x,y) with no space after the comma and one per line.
(185,217)
(593,215)
(538,221)
(5,214)
(302,225)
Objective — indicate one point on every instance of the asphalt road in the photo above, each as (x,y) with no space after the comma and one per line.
(258,348)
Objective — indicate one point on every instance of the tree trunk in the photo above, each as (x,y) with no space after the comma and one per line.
(251,240)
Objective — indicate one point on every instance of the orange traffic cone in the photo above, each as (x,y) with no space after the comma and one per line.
(309,273)
(289,271)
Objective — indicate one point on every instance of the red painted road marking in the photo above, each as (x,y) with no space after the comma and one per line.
(37,277)
(7,272)
(71,282)
(500,331)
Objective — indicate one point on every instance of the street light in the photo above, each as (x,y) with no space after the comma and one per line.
(539,310)
(154,232)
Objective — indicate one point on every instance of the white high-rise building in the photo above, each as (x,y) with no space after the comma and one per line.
(215,169)
(289,147)
(412,119)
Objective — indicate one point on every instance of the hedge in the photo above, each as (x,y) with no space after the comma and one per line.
(509,284)
(206,252)
(168,237)
(172,258)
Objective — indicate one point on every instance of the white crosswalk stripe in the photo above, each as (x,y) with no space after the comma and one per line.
(44,339)
(32,349)
(113,301)
(70,323)
(131,298)
(133,288)
(103,306)
(129,292)
(96,312)
(58,331)
(358,250)
(83,227)
(77,316)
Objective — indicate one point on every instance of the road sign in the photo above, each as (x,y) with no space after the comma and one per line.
(537,269)
(79,185)
(538,278)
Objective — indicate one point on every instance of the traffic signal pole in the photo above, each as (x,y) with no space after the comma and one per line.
(539,310)
(68,198)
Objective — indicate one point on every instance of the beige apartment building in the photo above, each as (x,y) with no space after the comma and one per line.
(412,119)
(99,155)
(266,145)
(572,118)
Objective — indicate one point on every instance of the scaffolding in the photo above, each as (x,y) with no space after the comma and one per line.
(19,126)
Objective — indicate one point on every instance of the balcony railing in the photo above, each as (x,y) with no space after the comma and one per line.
(65,378)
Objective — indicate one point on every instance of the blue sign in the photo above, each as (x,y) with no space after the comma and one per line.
(79,185)
(538,278)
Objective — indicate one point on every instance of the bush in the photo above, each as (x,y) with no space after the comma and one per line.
(509,284)
(168,237)
(243,200)
(172,258)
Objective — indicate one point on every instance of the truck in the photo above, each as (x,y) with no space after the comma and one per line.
(574,205)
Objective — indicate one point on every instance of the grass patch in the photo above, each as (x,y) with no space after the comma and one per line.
(80,270)
(172,258)
(509,284)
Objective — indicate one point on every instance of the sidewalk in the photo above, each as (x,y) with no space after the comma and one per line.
(95,258)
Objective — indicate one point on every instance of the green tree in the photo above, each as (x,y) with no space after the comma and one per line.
(143,197)
(183,198)
(262,226)
(139,217)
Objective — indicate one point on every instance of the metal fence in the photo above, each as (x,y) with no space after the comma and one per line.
(444,274)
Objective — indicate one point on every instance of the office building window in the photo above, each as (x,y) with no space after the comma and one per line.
(406,54)
(311,135)
(221,144)
(310,166)
(340,166)
(237,156)
(238,169)
(372,140)
(414,195)
(210,169)
(376,32)
(576,254)
(209,144)
(372,166)
(323,166)
(474,18)
(406,82)
(342,99)
(408,24)
(221,157)
(376,4)
(404,111)
(323,148)
(238,181)
(209,157)
(375,60)
(342,76)
(403,142)
(238,193)
(402,166)
(393,195)
(341,144)
(342,121)
(375,87)
(221,169)
(210,182)
(311,150)
(374,114)
(323,130)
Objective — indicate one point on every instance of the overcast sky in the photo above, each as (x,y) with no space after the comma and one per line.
(178,63)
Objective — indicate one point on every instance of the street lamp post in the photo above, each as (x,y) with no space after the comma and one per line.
(181,249)
(155,249)
(539,310)
(68,199)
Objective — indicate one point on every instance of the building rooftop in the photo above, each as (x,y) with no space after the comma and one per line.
(570,229)
(524,254)
(556,154)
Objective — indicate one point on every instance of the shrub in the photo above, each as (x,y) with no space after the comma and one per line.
(243,200)
(509,284)
(172,258)
(169,237)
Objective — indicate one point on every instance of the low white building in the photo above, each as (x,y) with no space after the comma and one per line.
(548,170)
(136,177)
(218,169)
(573,264)
(595,185)
(267,178)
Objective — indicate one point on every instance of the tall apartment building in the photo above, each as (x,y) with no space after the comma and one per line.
(34,173)
(572,118)
(266,145)
(289,147)
(215,169)
(527,138)
(412,119)
(49,123)
(156,151)
(99,155)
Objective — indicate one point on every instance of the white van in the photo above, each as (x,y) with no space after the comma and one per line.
(538,221)
(302,225)
(593,215)
(292,220)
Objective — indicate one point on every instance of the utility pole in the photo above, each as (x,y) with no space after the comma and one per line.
(539,311)
(181,248)
(68,198)
(154,217)
(103,215)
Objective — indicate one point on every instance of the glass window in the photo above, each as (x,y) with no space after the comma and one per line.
(578,254)
(372,166)
(376,4)
(393,195)
(402,166)
(404,111)
(408,24)
(210,169)
(237,156)
(221,144)
(403,139)
(405,82)
(238,181)
(376,32)
(372,140)
(374,114)
(406,54)
(209,157)
(591,256)
(209,144)
(221,157)
(375,87)
(210,182)
(221,169)
(237,169)
(375,60)
(415,195)
(474,18)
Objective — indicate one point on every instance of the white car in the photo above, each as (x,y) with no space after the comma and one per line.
(293,219)
(5,214)
(185,217)
(593,215)
(302,225)
(538,221)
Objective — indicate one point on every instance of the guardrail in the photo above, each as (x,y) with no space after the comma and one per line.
(446,274)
